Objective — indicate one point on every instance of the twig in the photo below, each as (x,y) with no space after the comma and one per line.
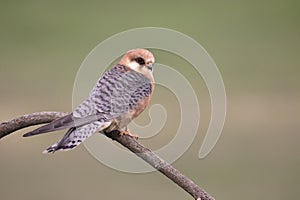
(132,144)
(24,121)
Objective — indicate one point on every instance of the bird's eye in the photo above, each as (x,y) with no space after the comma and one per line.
(140,60)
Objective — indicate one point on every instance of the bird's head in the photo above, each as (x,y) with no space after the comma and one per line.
(140,60)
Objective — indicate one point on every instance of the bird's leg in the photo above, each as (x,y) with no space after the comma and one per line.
(112,127)
(127,132)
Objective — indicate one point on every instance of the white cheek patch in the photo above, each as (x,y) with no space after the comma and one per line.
(141,69)
(134,65)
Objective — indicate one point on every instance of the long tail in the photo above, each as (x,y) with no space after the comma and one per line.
(75,136)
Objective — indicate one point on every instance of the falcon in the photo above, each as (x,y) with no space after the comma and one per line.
(119,96)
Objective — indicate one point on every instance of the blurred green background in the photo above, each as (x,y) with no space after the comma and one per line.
(256,45)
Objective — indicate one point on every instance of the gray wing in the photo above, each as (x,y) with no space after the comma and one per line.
(68,121)
(119,91)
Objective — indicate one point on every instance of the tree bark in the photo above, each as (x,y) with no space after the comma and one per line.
(130,143)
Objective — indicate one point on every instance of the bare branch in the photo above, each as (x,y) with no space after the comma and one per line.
(132,144)
(24,121)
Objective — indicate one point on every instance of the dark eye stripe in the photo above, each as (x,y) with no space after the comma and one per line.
(140,60)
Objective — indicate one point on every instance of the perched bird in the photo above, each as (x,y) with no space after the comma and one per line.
(119,96)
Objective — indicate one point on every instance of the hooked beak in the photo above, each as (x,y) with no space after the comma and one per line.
(150,67)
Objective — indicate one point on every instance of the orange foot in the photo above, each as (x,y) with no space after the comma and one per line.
(127,132)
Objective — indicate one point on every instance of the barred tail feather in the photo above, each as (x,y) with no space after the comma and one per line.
(76,136)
